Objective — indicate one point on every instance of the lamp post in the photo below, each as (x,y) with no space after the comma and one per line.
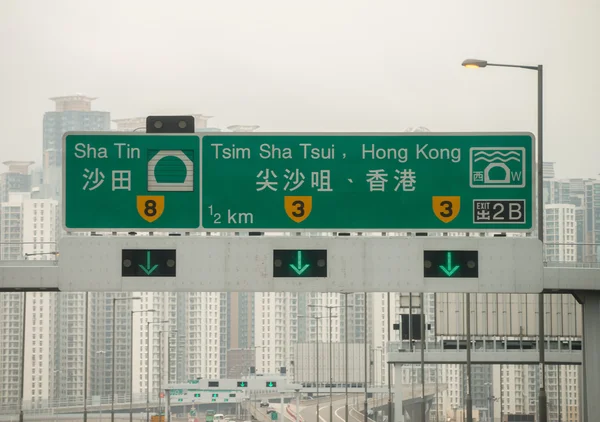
(329,309)
(317,318)
(160,377)
(475,64)
(112,395)
(148,366)
(103,353)
(131,365)
(346,306)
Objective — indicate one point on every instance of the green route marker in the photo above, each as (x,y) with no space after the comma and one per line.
(299,269)
(130,181)
(359,182)
(147,269)
(449,269)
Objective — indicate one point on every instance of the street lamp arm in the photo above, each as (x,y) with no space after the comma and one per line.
(476,64)
(514,65)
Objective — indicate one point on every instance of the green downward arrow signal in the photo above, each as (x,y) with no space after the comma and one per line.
(448,269)
(147,269)
(299,269)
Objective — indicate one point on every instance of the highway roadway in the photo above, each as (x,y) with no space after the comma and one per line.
(308,409)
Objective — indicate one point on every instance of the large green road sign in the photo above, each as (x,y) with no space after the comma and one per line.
(412,181)
(131,181)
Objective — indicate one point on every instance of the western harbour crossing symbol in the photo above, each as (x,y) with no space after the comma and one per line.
(298,182)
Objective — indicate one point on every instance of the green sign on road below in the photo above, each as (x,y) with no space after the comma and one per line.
(131,181)
(409,181)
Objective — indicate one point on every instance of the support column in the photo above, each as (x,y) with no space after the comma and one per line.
(591,349)
(398,396)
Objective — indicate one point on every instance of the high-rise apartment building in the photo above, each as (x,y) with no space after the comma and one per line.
(560,233)
(276,330)
(16,179)
(72,113)
(28,231)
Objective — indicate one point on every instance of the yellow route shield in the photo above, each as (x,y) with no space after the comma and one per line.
(150,208)
(446,208)
(298,208)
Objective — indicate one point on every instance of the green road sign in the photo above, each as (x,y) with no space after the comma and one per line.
(409,181)
(273,416)
(131,181)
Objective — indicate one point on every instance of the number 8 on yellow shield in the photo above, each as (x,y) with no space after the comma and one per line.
(150,208)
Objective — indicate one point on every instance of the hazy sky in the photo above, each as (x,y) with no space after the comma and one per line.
(316,65)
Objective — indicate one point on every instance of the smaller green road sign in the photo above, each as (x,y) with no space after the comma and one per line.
(120,181)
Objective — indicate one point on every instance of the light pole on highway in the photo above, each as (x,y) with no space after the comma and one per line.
(476,64)
(131,364)
(148,365)
(160,358)
(329,309)
(317,318)
(346,306)
(113,358)
(103,353)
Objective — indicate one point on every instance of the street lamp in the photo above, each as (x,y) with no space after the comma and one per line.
(160,377)
(329,309)
(131,366)
(103,353)
(317,318)
(475,64)
(112,396)
(148,365)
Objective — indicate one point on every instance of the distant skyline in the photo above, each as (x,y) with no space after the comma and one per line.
(341,65)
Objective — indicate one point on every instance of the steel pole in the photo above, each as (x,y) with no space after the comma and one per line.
(85,360)
(148,372)
(543,399)
(330,366)
(389,365)
(131,372)
(112,390)
(469,398)
(422,329)
(21,415)
(318,358)
(159,369)
(346,352)
(366,404)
